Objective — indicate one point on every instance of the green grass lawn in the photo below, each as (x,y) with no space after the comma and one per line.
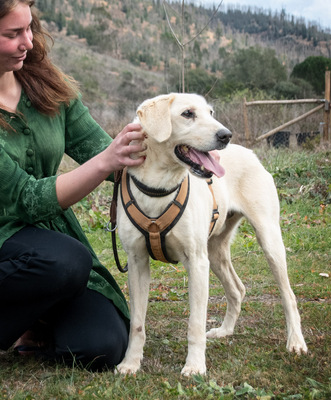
(251,364)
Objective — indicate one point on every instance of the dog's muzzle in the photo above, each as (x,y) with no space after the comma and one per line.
(201,163)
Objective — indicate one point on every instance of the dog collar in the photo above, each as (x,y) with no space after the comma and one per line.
(152,192)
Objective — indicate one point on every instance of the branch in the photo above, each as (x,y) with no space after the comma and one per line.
(212,88)
(210,19)
(172,31)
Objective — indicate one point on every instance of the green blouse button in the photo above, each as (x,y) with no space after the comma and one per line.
(28,103)
(29,170)
(29,152)
(26,131)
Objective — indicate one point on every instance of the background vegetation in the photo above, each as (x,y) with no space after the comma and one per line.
(123,52)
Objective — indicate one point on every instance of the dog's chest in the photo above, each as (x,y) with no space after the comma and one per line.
(152,206)
(194,218)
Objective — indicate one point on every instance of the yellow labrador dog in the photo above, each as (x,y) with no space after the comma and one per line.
(180,131)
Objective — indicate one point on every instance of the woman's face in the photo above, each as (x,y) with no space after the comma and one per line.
(15,38)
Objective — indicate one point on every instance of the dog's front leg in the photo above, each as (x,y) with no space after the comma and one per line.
(198,272)
(139,280)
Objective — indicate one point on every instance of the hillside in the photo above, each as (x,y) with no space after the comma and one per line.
(125,51)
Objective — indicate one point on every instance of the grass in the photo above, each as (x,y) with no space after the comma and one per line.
(251,364)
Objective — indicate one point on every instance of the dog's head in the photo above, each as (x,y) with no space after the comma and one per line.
(186,122)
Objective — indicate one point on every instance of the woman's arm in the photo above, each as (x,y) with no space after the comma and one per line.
(76,184)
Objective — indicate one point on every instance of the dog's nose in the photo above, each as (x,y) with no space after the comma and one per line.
(223,136)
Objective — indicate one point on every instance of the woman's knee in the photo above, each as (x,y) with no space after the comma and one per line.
(105,355)
(51,263)
(92,332)
(98,354)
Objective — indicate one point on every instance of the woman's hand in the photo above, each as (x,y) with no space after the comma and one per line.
(125,148)
(123,151)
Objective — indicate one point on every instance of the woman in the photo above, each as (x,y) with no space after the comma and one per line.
(54,293)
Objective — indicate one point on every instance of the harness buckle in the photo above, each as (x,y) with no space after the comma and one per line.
(216,214)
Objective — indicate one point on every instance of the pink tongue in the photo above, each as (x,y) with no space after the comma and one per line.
(207,161)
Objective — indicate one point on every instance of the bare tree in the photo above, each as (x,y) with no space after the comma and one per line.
(181,43)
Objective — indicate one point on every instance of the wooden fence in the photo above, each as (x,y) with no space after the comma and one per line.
(322,104)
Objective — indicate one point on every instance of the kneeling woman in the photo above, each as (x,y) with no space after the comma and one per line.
(55,296)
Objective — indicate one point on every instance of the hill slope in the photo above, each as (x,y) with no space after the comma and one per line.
(125,51)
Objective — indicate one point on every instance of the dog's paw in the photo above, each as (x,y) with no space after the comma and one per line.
(190,370)
(127,368)
(216,333)
(296,344)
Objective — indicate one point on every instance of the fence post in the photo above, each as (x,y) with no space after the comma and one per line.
(326,127)
(247,132)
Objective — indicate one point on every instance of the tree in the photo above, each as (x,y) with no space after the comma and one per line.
(312,70)
(293,89)
(198,81)
(181,43)
(255,68)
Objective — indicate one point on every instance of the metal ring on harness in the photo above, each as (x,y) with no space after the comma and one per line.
(110,229)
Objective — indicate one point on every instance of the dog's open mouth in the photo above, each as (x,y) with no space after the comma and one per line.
(201,164)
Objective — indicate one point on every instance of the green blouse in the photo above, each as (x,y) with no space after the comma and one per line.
(30,156)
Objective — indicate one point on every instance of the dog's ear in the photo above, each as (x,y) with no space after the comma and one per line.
(155,118)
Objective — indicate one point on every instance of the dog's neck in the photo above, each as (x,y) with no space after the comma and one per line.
(159,173)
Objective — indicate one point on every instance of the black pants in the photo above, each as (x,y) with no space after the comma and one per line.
(43,275)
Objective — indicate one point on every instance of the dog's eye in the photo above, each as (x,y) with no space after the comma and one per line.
(188,114)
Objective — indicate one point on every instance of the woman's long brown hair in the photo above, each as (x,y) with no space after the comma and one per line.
(46,86)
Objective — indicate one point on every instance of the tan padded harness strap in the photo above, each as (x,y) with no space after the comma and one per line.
(154,226)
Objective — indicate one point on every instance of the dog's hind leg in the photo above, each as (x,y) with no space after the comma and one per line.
(139,280)
(257,199)
(220,262)
(270,238)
